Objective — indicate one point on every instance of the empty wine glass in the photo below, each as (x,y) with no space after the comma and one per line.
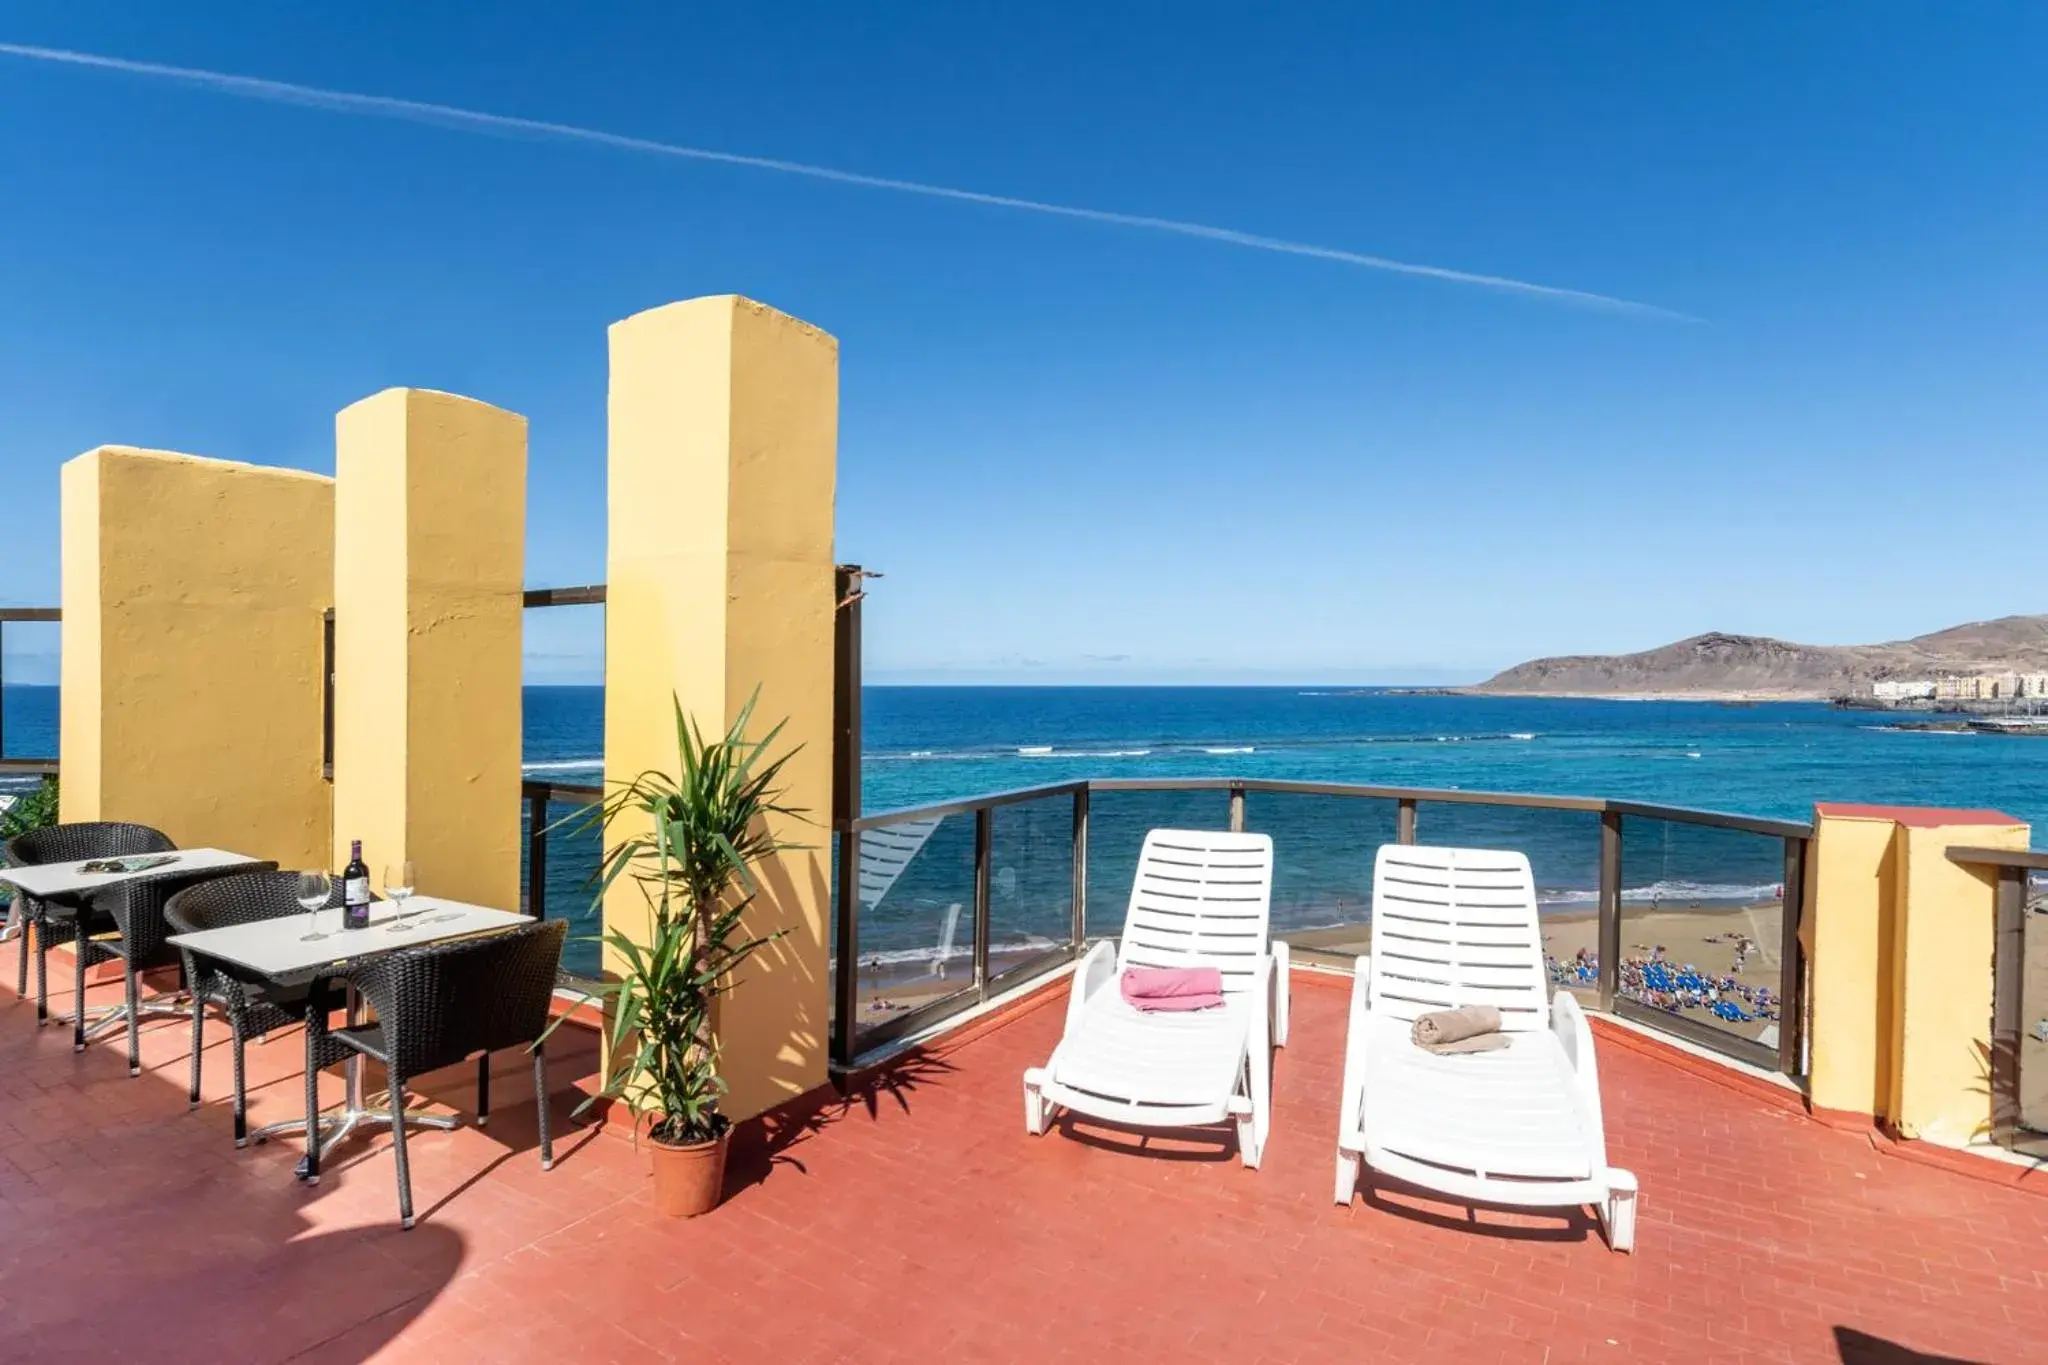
(398,884)
(313,892)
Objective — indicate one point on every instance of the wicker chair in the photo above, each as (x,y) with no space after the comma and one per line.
(440,1004)
(138,912)
(69,844)
(253,1005)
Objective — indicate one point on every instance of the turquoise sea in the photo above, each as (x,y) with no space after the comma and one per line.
(929,744)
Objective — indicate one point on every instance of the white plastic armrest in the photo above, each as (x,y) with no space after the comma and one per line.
(1097,970)
(1355,1040)
(1262,1014)
(1568,1022)
(1283,991)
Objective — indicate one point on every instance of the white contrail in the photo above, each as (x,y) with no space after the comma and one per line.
(443,115)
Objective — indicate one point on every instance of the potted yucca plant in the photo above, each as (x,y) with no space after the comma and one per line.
(690,845)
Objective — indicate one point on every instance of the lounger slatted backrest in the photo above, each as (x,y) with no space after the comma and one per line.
(1201,898)
(885,852)
(1456,926)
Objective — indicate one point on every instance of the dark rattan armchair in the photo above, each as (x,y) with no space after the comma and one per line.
(69,844)
(253,1005)
(138,913)
(440,1004)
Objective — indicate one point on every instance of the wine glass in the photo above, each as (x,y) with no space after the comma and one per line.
(399,880)
(313,891)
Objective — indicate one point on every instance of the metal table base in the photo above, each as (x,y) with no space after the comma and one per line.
(354,1113)
(102,1019)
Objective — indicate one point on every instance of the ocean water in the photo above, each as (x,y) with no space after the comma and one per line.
(933,744)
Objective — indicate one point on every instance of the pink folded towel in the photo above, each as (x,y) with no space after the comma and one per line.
(1172,988)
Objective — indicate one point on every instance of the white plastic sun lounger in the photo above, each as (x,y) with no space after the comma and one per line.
(1518,1126)
(1200,899)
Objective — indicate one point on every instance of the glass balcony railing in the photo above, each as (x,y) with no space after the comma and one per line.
(1679,920)
(559,865)
(1030,886)
(1703,926)
(1323,849)
(1118,818)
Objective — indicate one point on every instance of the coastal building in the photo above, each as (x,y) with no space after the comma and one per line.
(1902,689)
(1986,686)
(2033,685)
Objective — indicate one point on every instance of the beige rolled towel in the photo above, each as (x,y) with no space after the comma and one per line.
(1469,1028)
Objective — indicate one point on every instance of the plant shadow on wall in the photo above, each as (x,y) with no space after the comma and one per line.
(691,843)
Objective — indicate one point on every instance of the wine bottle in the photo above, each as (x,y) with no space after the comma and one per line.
(355,889)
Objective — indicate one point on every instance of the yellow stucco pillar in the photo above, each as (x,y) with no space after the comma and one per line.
(429,566)
(1942,978)
(191,658)
(1850,910)
(724,433)
(1899,943)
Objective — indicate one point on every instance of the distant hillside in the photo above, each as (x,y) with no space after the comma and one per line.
(1755,666)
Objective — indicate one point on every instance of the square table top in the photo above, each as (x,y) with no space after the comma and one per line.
(65,879)
(277,948)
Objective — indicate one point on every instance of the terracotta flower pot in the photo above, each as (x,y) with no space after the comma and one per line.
(689,1178)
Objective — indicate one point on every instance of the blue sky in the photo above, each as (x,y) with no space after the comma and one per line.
(1084,451)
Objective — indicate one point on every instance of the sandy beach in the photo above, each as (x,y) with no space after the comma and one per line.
(1707,938)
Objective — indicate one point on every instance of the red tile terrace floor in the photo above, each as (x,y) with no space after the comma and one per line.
(915,1221)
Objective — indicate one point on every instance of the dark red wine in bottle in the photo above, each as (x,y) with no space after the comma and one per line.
(355,889)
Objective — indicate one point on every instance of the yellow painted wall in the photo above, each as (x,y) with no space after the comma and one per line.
(722,467)
(191,666)
(430,544)
(1899,943)
(1846,935)
(1942,976)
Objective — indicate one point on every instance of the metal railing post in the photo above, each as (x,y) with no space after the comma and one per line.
(537,854)
(3,689)
(1404,821)
(1079,930)
(1237,810)
(846,947)
(984,821)
(1610,908)
(1791,964)
(846,740)
(2008,990)
(846,677)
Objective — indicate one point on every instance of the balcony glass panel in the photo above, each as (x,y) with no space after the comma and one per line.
(916,905)
(575,849)
(1702,911)
(1030,883)
(1323,850)
(1117,824)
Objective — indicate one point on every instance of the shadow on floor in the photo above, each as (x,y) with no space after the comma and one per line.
(761,1144)
(1861,1348)
(1207,1145)
(1493,1220)
(136,1230)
